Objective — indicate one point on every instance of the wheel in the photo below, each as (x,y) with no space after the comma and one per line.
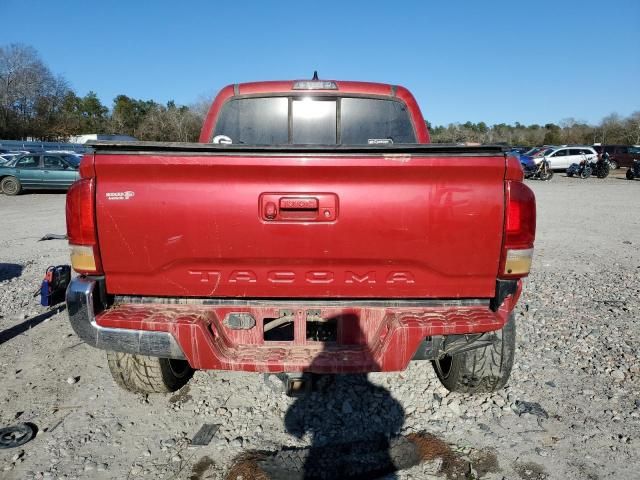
(603,171)
(546,175)
(481,370)
(142,374)
(630,175)
(11,186)
(613,164)
(585,173)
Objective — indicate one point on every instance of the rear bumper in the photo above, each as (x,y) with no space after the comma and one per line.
(369,335)
(81,306)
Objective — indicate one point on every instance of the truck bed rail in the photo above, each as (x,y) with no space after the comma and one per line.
(117,147)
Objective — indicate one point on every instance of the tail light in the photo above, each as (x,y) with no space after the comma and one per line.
(81,227)
(519,230)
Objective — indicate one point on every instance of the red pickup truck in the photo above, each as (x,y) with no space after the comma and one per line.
(312,229)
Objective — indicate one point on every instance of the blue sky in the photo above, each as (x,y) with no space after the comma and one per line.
(500,61)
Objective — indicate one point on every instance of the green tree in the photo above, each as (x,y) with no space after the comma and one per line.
(93,115)
(128,114)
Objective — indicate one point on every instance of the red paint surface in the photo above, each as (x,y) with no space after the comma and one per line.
(369,339)
(409,227)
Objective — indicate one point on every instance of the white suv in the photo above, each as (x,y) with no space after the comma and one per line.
(560,158)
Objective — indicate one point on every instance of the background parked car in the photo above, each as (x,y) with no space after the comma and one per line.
(527,158)
(518,150)
(5,158)
(531,152)
(560,158)
(619,155)
(39,171)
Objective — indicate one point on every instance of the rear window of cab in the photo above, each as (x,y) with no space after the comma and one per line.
(308,120)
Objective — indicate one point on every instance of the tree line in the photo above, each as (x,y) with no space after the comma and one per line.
(37,104)
(612,129)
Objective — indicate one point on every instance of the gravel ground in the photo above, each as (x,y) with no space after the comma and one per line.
(577,359)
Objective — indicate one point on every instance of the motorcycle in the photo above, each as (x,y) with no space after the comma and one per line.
(541,171)
(634,170)
(582,169)
(601,167)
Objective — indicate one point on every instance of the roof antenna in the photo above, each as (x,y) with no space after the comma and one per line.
(315,75)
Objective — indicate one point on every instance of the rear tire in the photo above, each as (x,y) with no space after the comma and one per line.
(482,370)
(630,175)
(142,374)
(603,171)
(548,175)
(11,186)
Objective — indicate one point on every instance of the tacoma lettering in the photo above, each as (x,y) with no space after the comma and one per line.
(281,277)
(351,277)
(400,277)
(312,277)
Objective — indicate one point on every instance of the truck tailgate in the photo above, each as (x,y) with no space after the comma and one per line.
(422,223)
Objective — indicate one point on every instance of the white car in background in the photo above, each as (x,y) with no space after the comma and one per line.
(560,158)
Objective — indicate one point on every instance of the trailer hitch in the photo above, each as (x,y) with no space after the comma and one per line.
(298,384)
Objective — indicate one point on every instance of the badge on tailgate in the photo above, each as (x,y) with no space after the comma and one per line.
(298,207)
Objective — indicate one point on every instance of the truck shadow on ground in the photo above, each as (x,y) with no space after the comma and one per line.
(354,438)
(353,428)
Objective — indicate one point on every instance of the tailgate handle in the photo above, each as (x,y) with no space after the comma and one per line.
(298,204)
(296,207)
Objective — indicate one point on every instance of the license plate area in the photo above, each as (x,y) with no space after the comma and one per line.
(320,329)
(308,326)
(280,329)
